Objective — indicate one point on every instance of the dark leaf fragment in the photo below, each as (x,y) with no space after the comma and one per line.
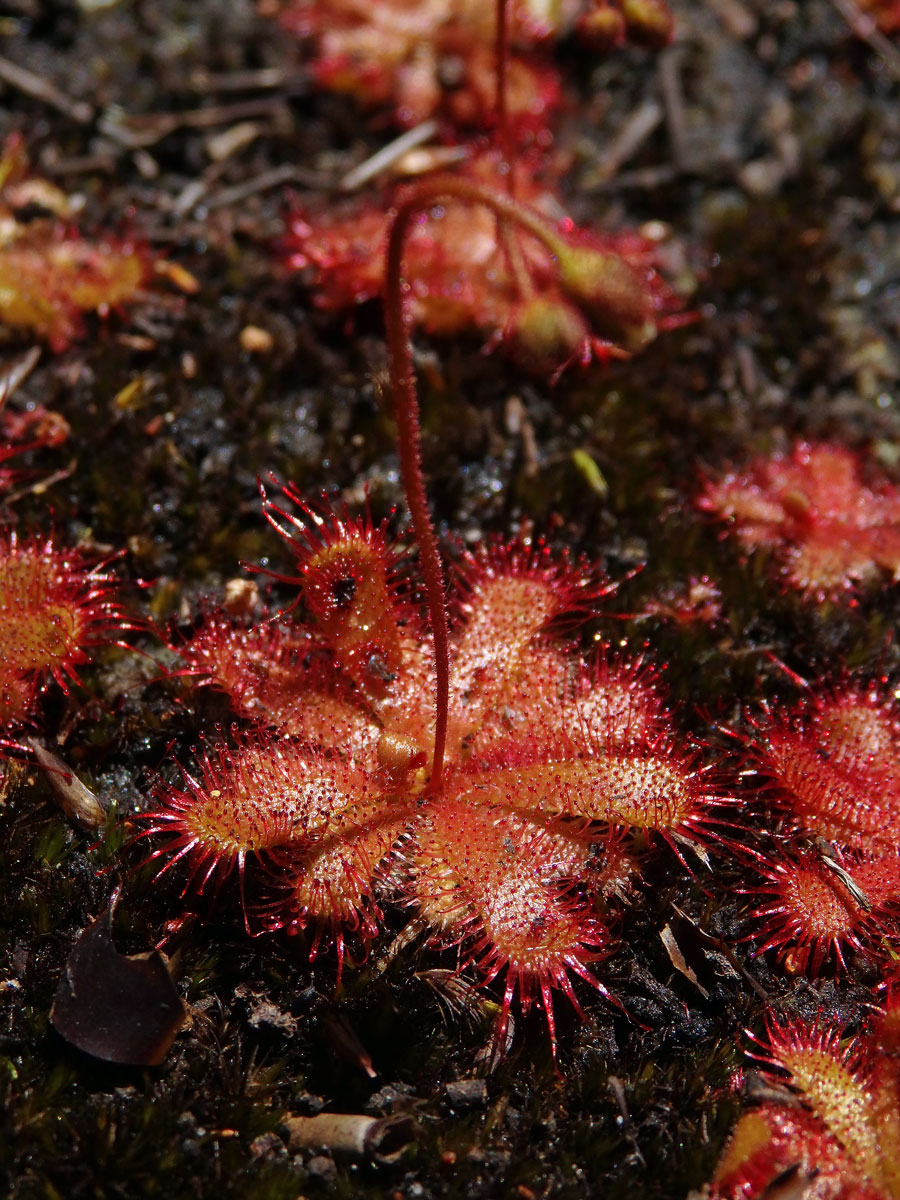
(119,1008)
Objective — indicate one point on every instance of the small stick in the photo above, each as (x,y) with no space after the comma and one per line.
(39,88)
(617,1091)
(42,485)
(644,179)
(723,948)
(738,20)
(76,800)
(138,132)
(82,164)
(13,376)
(383,1139)
(388,155)
(265,181)
(865,28)
(634,132)
(240,81)
(673,99)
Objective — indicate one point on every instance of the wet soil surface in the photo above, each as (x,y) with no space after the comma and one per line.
(774,165)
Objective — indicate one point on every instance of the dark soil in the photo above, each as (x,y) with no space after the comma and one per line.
(778,177)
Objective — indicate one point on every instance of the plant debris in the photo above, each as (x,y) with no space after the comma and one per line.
(123,1009)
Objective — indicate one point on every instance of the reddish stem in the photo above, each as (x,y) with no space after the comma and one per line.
(409,444)
(505,235)
(406,406)
(501,101)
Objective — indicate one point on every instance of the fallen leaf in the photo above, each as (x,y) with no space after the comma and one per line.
(120,1008)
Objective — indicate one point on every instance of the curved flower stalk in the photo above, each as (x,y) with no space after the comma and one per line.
(488,247)
(458,257)
(474,770)
(601,284)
